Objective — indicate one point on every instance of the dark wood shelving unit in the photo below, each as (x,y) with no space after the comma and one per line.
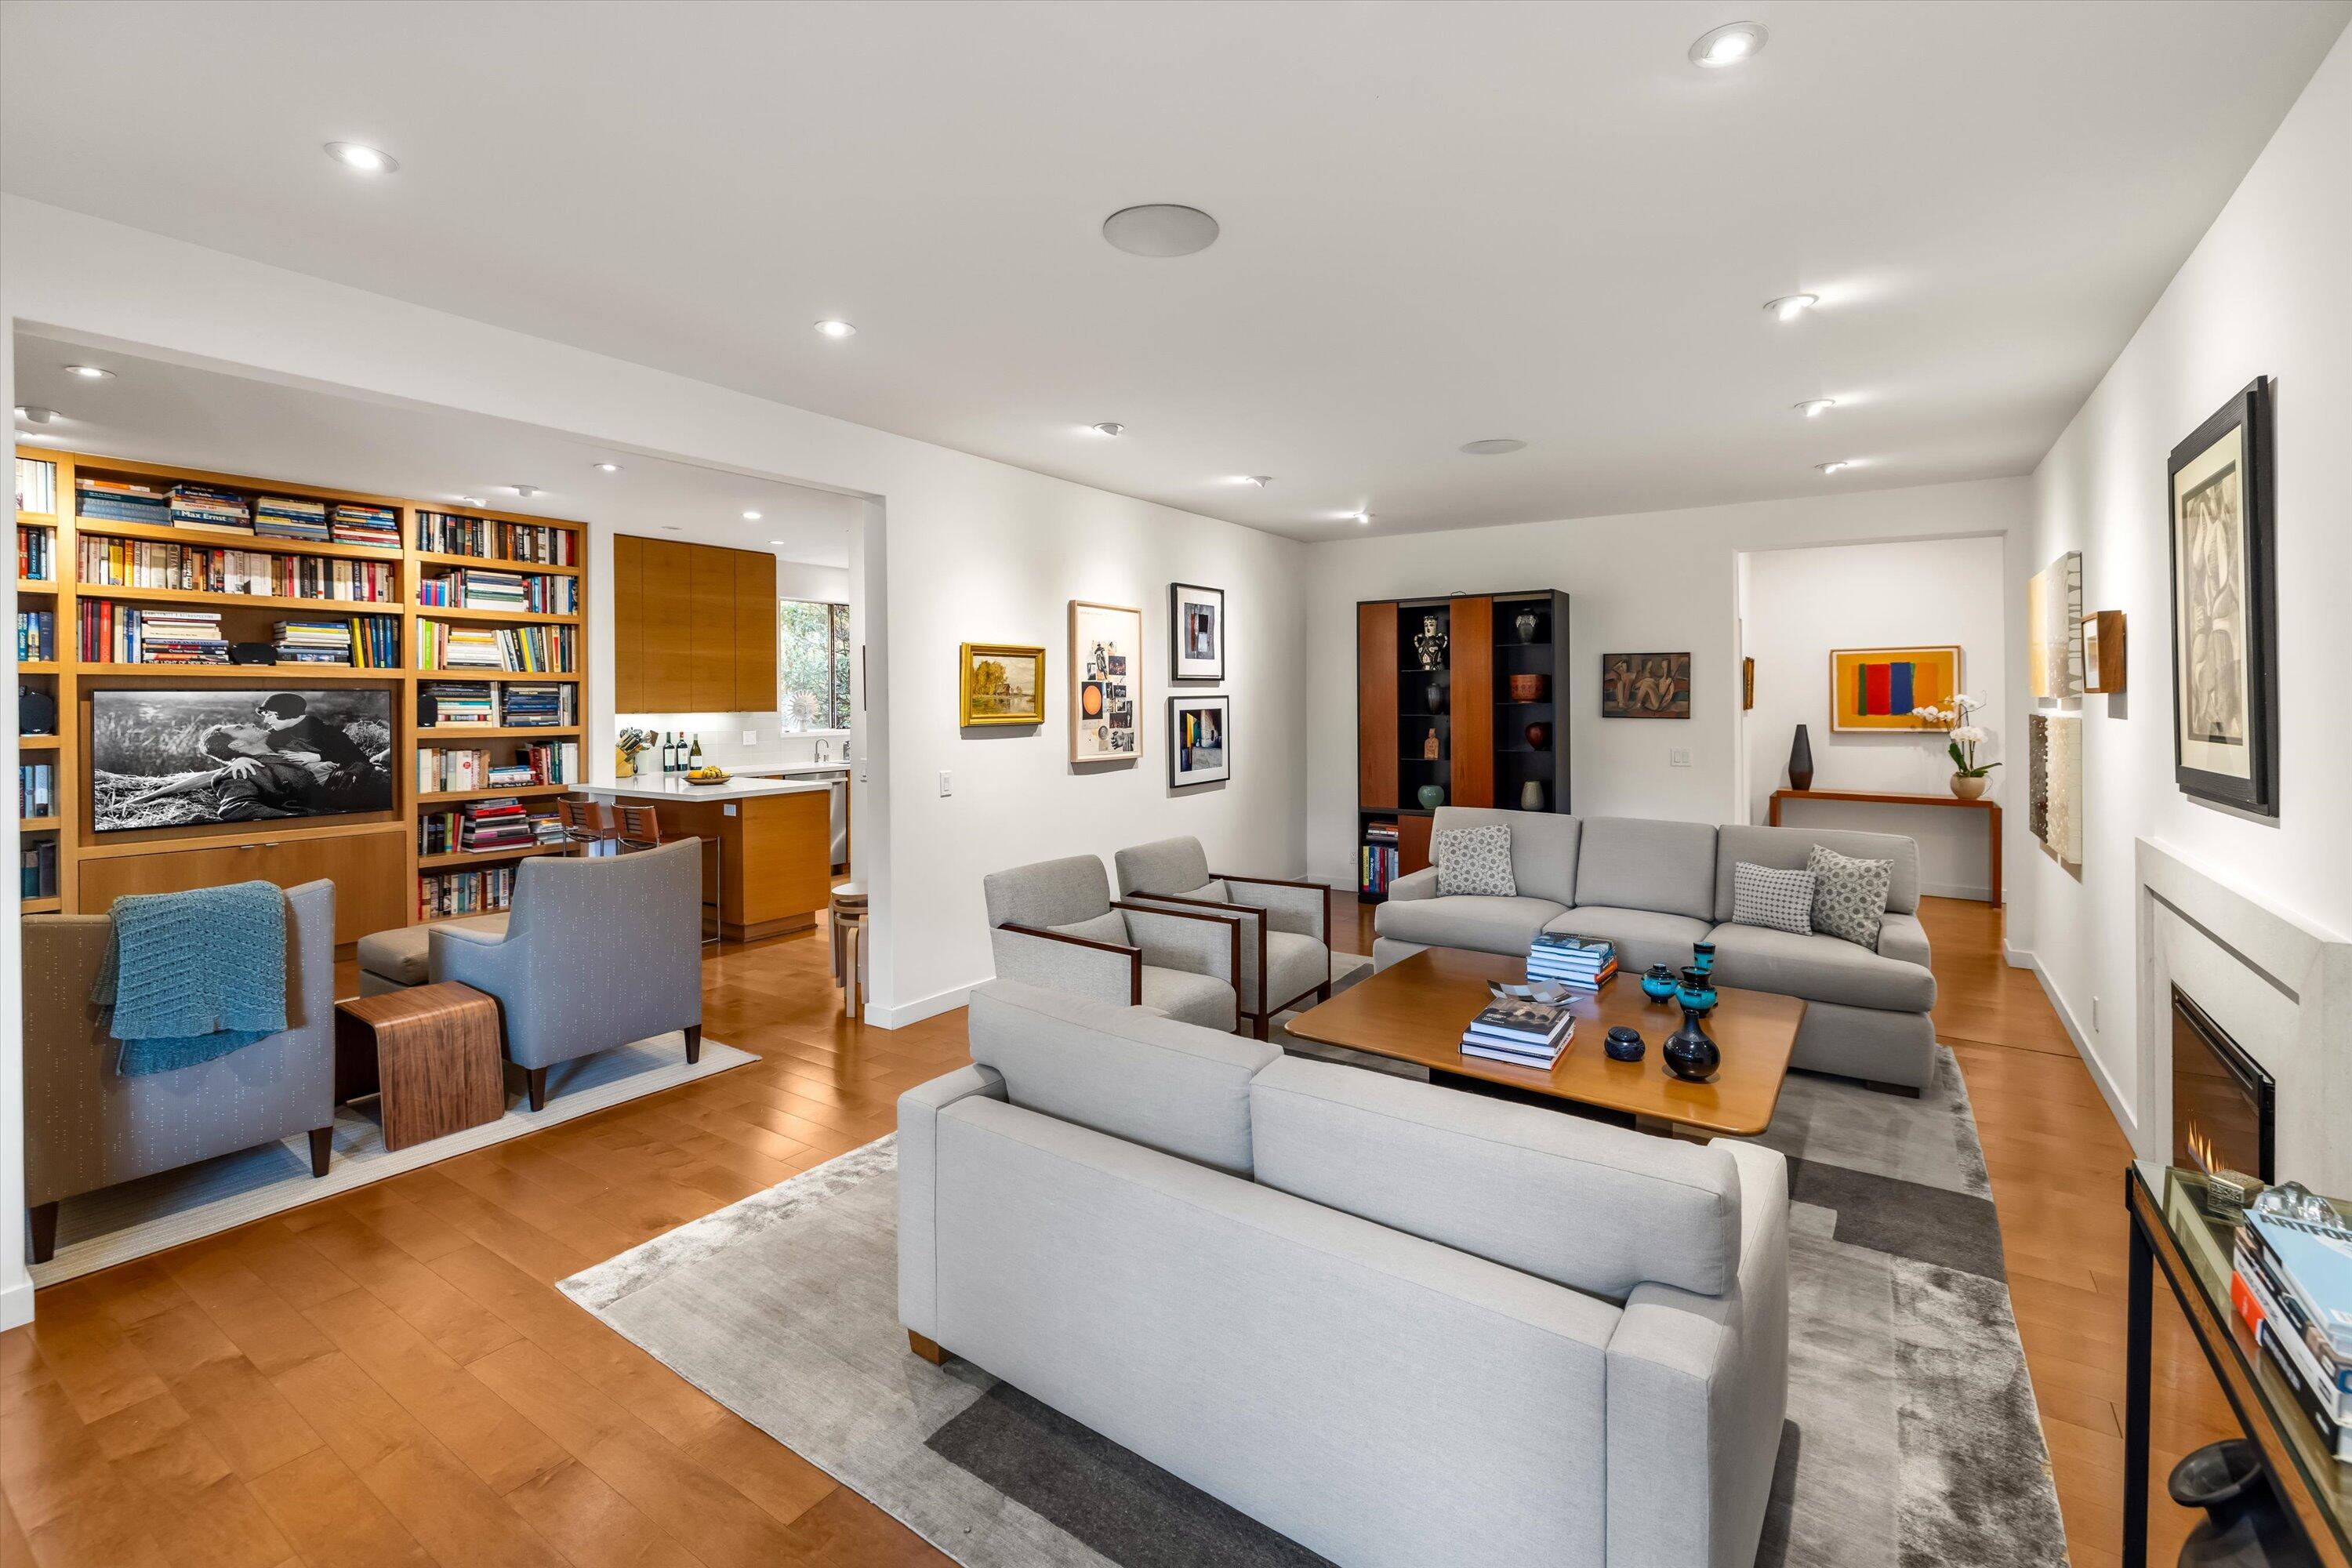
(1485,758)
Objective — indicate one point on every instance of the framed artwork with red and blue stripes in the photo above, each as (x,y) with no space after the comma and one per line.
(1879,688)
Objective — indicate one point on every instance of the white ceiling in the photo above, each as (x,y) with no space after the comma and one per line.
(164,412)
(1441,222)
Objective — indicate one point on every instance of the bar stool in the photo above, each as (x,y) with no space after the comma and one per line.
(589,827)
(848,903)
(852,930)
(641,829)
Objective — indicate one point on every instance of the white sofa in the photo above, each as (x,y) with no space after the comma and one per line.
(1399,1324)
(1655,887)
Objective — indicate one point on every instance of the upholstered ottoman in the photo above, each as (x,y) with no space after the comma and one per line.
(393,960)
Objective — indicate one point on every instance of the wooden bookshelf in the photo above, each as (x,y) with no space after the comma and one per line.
(359,849)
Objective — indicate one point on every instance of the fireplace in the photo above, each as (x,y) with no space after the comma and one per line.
(2223,1103)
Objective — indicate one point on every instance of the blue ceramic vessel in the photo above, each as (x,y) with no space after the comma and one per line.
(1703,957)
(1658,983)
(1696,992)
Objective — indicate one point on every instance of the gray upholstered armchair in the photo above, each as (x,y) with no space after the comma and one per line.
(596,953)
(1286,926)
(1053,925)
(87,1126)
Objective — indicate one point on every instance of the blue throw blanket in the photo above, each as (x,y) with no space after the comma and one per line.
(196,976)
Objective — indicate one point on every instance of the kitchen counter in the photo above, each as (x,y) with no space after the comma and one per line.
(767,866)
(791,769)
(655,786)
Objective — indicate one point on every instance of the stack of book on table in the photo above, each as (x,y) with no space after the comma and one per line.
(285,517)
(1582,961)
(1520,1029)
(2293,1285)
(211,510)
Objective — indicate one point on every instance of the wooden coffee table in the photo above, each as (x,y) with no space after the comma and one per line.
(1415,1012)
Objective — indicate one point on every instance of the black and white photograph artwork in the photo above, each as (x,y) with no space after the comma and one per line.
(2224,648)
(1196,621)
(1200,740)
(179,759)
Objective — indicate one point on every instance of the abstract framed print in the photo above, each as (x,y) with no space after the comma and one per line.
(2054,628)
(1196,632)
(1646,685)
(2225,677)
(1002,684)
(1106,682)
(1200,741)
(1875,688)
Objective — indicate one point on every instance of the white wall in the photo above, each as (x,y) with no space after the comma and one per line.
(1654,581)
(2268,291)
(1797,606)
(818,585)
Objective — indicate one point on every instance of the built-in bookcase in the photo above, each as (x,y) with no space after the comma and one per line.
(1466,711)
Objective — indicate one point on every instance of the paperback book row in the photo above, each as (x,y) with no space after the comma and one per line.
(36,634)
(37,876)
(1520,1030)
(445,770)
(525,593)
(2293,1285)
(487,827)
(109,633)
(1376,858)
(37,486)
(36,789)
(142,564)
(1581,963)
(441,533)
(440,894)
(210,508)
(36,549)
(361,642)
(477,704)
(531,650)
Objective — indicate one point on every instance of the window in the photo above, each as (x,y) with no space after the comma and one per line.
(811,666)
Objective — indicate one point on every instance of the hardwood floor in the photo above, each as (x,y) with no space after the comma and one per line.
(389,1377)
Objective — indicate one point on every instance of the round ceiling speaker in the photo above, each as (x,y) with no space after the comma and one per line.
(1161,228)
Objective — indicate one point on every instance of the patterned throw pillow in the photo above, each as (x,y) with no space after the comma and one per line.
(1782,901)
(1474,860)
(1850,894)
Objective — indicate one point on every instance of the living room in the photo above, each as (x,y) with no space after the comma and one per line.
(1291,522)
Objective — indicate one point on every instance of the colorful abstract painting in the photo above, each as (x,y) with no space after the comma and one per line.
(1877,688)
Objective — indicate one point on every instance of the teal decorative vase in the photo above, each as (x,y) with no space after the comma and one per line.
(1431,796)
(1696,992)
(1658,983)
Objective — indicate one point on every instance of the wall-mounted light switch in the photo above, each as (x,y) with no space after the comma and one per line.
(947,782)
(750,737)
(1678,757)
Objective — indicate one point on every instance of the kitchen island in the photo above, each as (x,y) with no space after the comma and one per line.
(769,867)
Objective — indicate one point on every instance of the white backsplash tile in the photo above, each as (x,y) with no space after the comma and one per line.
(722,738)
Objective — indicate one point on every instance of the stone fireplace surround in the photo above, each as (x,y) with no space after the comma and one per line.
(2278,985)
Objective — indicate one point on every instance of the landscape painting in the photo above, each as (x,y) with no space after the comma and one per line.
(1002,684)
(1646,685)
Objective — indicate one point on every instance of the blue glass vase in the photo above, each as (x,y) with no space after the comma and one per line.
(1658,983)
(1696,992)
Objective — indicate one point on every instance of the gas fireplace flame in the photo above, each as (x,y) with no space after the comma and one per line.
(2201,1149)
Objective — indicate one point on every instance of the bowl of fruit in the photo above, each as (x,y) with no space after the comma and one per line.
(709,775)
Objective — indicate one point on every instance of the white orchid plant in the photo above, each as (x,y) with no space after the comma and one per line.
(1962,736)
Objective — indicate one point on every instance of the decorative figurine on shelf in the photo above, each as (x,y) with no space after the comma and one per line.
(1531,795)
(1696,992)
(1431,796)
(1429,749)
(1623,1044)
(1703,957)
(1539,735)
(1526,626)
(1435,695)
(1658,983)
(1430,643)
(1690,1051)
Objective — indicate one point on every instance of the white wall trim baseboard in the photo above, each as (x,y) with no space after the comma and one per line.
(1972,894)
(16,1304)
(2020,959)
(930,1007)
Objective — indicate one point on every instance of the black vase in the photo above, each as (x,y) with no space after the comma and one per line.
(2243,1525)
(1690,1051)
(1436,693)
(1801,761)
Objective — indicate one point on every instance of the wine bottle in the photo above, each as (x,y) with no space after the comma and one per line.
(694,758)
(670,755)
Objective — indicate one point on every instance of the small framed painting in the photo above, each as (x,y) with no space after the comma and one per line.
(1196,630)
(2054,628)
(1106,682)
(1003,683)
(1200,741)
(1646,685)
(2225,675)
(1875,688)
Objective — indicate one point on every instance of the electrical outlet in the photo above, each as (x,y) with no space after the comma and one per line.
(750,737)
(947,782)
(1678,757)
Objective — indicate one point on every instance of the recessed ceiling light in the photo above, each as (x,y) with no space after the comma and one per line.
(1730,45)
(1108,428)
(471,500)
(1789,307)
(365,158)
(1161,228)
(672,528)
(775,544)
(1260,481)
(606,468)
(89,372)
(1833,466)
(833,329)
(750,517)
(1814,408)
(526,491)
(35,415)
(1493,447)
(1361,517)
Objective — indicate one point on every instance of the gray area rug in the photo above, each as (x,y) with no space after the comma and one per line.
(1913,1438)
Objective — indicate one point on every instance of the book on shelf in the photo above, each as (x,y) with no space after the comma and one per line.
(120,501)
(110,561)
(112,633)
(529,650)
(525,707)
(37,486)
(456,704)
(36,789)
(37,551)
(366,642)
(37,876)
(444,534)
(36,634)
(353,522)
(1376,863)
(474,588)
(288,517)
(440,894)
(208,508)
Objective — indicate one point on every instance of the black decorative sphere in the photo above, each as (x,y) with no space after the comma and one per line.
(1623,1044)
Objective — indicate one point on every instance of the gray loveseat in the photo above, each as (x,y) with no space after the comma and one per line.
(1401,1325)
(1655,887)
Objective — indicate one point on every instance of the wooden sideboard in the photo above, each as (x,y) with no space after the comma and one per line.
(1992,809)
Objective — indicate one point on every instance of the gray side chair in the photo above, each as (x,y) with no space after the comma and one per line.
(1286,926)
(87,1127)
(596,953)
(1053,925)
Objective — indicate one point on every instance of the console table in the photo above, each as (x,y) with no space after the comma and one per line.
(1991,808)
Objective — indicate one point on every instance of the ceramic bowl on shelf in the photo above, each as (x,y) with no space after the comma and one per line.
(1530,688)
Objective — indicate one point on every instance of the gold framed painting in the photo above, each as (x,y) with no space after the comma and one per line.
(1875,688)
(1003,683)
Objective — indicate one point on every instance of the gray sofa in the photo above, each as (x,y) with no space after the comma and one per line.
(1399,1324)
(1655,887)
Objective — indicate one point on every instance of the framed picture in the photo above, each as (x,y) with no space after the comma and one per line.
(1196,632)
(1199,732)
(184,759)
(1747,684)
(1003,683)
(2054,628)
(1106,682)
(2054,786)
(1645,685)
(2225,681)
(1877,687)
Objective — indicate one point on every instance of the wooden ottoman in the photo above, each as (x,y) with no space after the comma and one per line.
(431,1052)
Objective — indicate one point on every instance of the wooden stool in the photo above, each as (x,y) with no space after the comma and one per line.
(430,1052)
(851,928)
(849,903)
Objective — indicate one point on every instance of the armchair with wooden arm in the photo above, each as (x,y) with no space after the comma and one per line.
(1054,925)
(1286,925)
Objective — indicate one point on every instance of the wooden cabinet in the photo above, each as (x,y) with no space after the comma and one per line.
(368,867)
(694,627)
(1376,705)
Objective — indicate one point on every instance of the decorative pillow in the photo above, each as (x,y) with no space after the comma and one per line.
(1782,901)
(1475,860)
(1850,894)
(1109,926)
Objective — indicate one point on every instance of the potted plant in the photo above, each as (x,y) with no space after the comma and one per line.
(1962,739)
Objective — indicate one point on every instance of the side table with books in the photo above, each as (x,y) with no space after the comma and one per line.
(2269,1301)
